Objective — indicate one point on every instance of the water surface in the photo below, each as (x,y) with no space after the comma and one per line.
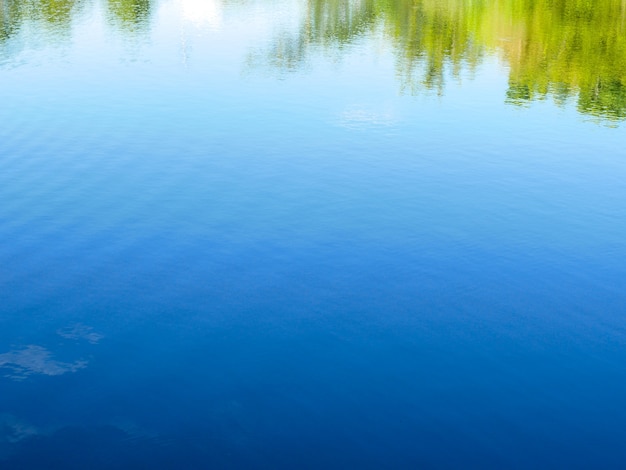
(312,234)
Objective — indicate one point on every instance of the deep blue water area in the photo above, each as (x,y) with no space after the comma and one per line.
(209,259)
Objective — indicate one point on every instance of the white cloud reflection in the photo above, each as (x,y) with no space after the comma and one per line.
(80,331)
(359,118)
(14,430)
(35,359)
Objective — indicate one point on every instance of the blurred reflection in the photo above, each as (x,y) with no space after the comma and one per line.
(13,430)
(563,48)
(556,48)
(78,331)
(130,15)
(55,16)
(19,364)
(202,13)
(10,15)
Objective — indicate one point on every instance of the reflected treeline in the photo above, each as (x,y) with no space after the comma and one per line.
(331,23)
(57,16)
(54,15)
(565,48)
(433,36)
(130,15)
(555,48)
(558,49)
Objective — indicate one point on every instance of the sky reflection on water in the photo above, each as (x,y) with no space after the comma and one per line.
(314,234)
(562,50)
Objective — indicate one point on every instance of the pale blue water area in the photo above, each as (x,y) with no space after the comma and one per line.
(211,259)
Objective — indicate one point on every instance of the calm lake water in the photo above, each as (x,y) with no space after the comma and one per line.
(312,234)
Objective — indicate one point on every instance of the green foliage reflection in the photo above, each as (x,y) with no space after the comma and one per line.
(554,48)
(54,15)
(57,15)
(557,49)
(130,15)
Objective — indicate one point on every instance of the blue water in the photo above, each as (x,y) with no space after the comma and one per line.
(207,262)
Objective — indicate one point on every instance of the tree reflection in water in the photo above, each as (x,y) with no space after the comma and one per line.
(559,49)
(554,48)
(130,15)
(57,16)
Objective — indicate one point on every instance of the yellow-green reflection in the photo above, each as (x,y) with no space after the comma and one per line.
(130,15)
(557,48)
(561,48)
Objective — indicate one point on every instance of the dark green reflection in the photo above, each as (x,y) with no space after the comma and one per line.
(54,15)
(10,13)
(555,48)
(57,16)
